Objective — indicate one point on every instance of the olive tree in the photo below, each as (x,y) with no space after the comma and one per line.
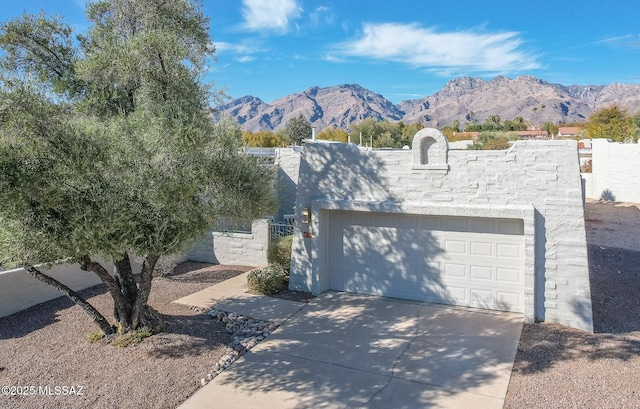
(108,150)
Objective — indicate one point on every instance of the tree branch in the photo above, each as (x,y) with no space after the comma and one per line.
(88,308)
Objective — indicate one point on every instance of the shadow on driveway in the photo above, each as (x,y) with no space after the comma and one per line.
(348,350)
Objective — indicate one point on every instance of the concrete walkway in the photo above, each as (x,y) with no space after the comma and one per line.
(350,351)
(232,296)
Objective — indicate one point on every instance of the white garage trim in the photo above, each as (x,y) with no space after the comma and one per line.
(320,225)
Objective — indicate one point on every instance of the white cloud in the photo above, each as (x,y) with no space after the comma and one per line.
(241,48)
(321,15)
(244,58)
(443,52)
(269,15)
(241,52)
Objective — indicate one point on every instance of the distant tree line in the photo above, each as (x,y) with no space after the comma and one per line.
(495,133)
(382,134)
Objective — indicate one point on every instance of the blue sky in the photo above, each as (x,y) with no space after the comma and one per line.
(405,49)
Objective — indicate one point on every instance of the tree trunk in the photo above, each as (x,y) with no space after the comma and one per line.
(121,305)
(125,279)
(130,300)
(88,308)
(140,305)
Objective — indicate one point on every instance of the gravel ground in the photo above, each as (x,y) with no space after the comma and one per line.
(46,346)
(560,367)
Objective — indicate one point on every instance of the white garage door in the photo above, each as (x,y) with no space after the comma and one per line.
(475,262)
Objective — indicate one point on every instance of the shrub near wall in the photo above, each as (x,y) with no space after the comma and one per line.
(279,252)
(268,280)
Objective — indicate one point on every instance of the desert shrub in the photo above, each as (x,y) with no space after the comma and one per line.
(279,252)
(132,338)
(268,280)
(494,140)
(96,336)
(586,166)
(126,337)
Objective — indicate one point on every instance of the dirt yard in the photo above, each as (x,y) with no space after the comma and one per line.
(613,225)
(559,367)
(46,346)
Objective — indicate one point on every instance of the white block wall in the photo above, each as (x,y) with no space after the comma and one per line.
(615,173)
(288,162)
(540,175)
(246,249)
(19,290)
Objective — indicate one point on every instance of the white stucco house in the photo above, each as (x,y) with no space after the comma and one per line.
(499,230)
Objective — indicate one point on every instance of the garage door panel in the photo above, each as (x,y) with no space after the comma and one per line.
(482,297)
(513,251)
(480,272)
(455,247)
(455,270)
(456,295)
(360,282)
(508,275)
(504,299)
(481,249)
(395,255)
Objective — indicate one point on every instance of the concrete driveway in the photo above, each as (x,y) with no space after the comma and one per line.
(346,350)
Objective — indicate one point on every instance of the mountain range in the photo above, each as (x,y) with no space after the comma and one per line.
(464,99)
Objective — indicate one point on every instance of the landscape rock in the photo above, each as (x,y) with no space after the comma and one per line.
(246,334)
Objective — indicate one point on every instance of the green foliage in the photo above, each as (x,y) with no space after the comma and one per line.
(96,336)
(135,165)
(131,338)
(384,134)
(459,136)
(42,47)
(499,143)
(612,123)
(410,130)
(473,128)
(262,139)
(515,124)
(333,134)
(268,280)
(550,127)
(279,252)
(494,141)
(635,120)
(493,123)
(451,130)
(297,130)
(107,146)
